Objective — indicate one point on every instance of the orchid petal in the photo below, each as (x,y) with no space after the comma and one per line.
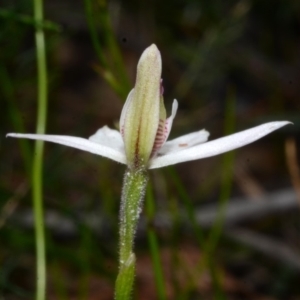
(124,110)
(184,142)
(169,121)
(79,143)
(218,146)
(109,138)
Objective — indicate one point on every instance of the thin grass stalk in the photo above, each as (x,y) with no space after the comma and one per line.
(154,246)
(226,173)
(37,169)
(28,20)
(226,186)
(93,33)
(59,286)
(189,208)
(104,69)
(8,91)
(191,216)
(114,50)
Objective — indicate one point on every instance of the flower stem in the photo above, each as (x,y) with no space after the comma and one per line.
(37,160)
(134,187)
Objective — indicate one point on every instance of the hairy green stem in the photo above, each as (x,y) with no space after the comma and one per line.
(37,169)
(134,188)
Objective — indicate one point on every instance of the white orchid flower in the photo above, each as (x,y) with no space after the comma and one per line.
(144,129)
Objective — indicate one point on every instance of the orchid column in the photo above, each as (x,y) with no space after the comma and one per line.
(142,128)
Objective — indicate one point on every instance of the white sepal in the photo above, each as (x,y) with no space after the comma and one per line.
(78,143)
(216,147)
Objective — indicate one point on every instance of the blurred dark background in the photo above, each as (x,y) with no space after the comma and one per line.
(231,65)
